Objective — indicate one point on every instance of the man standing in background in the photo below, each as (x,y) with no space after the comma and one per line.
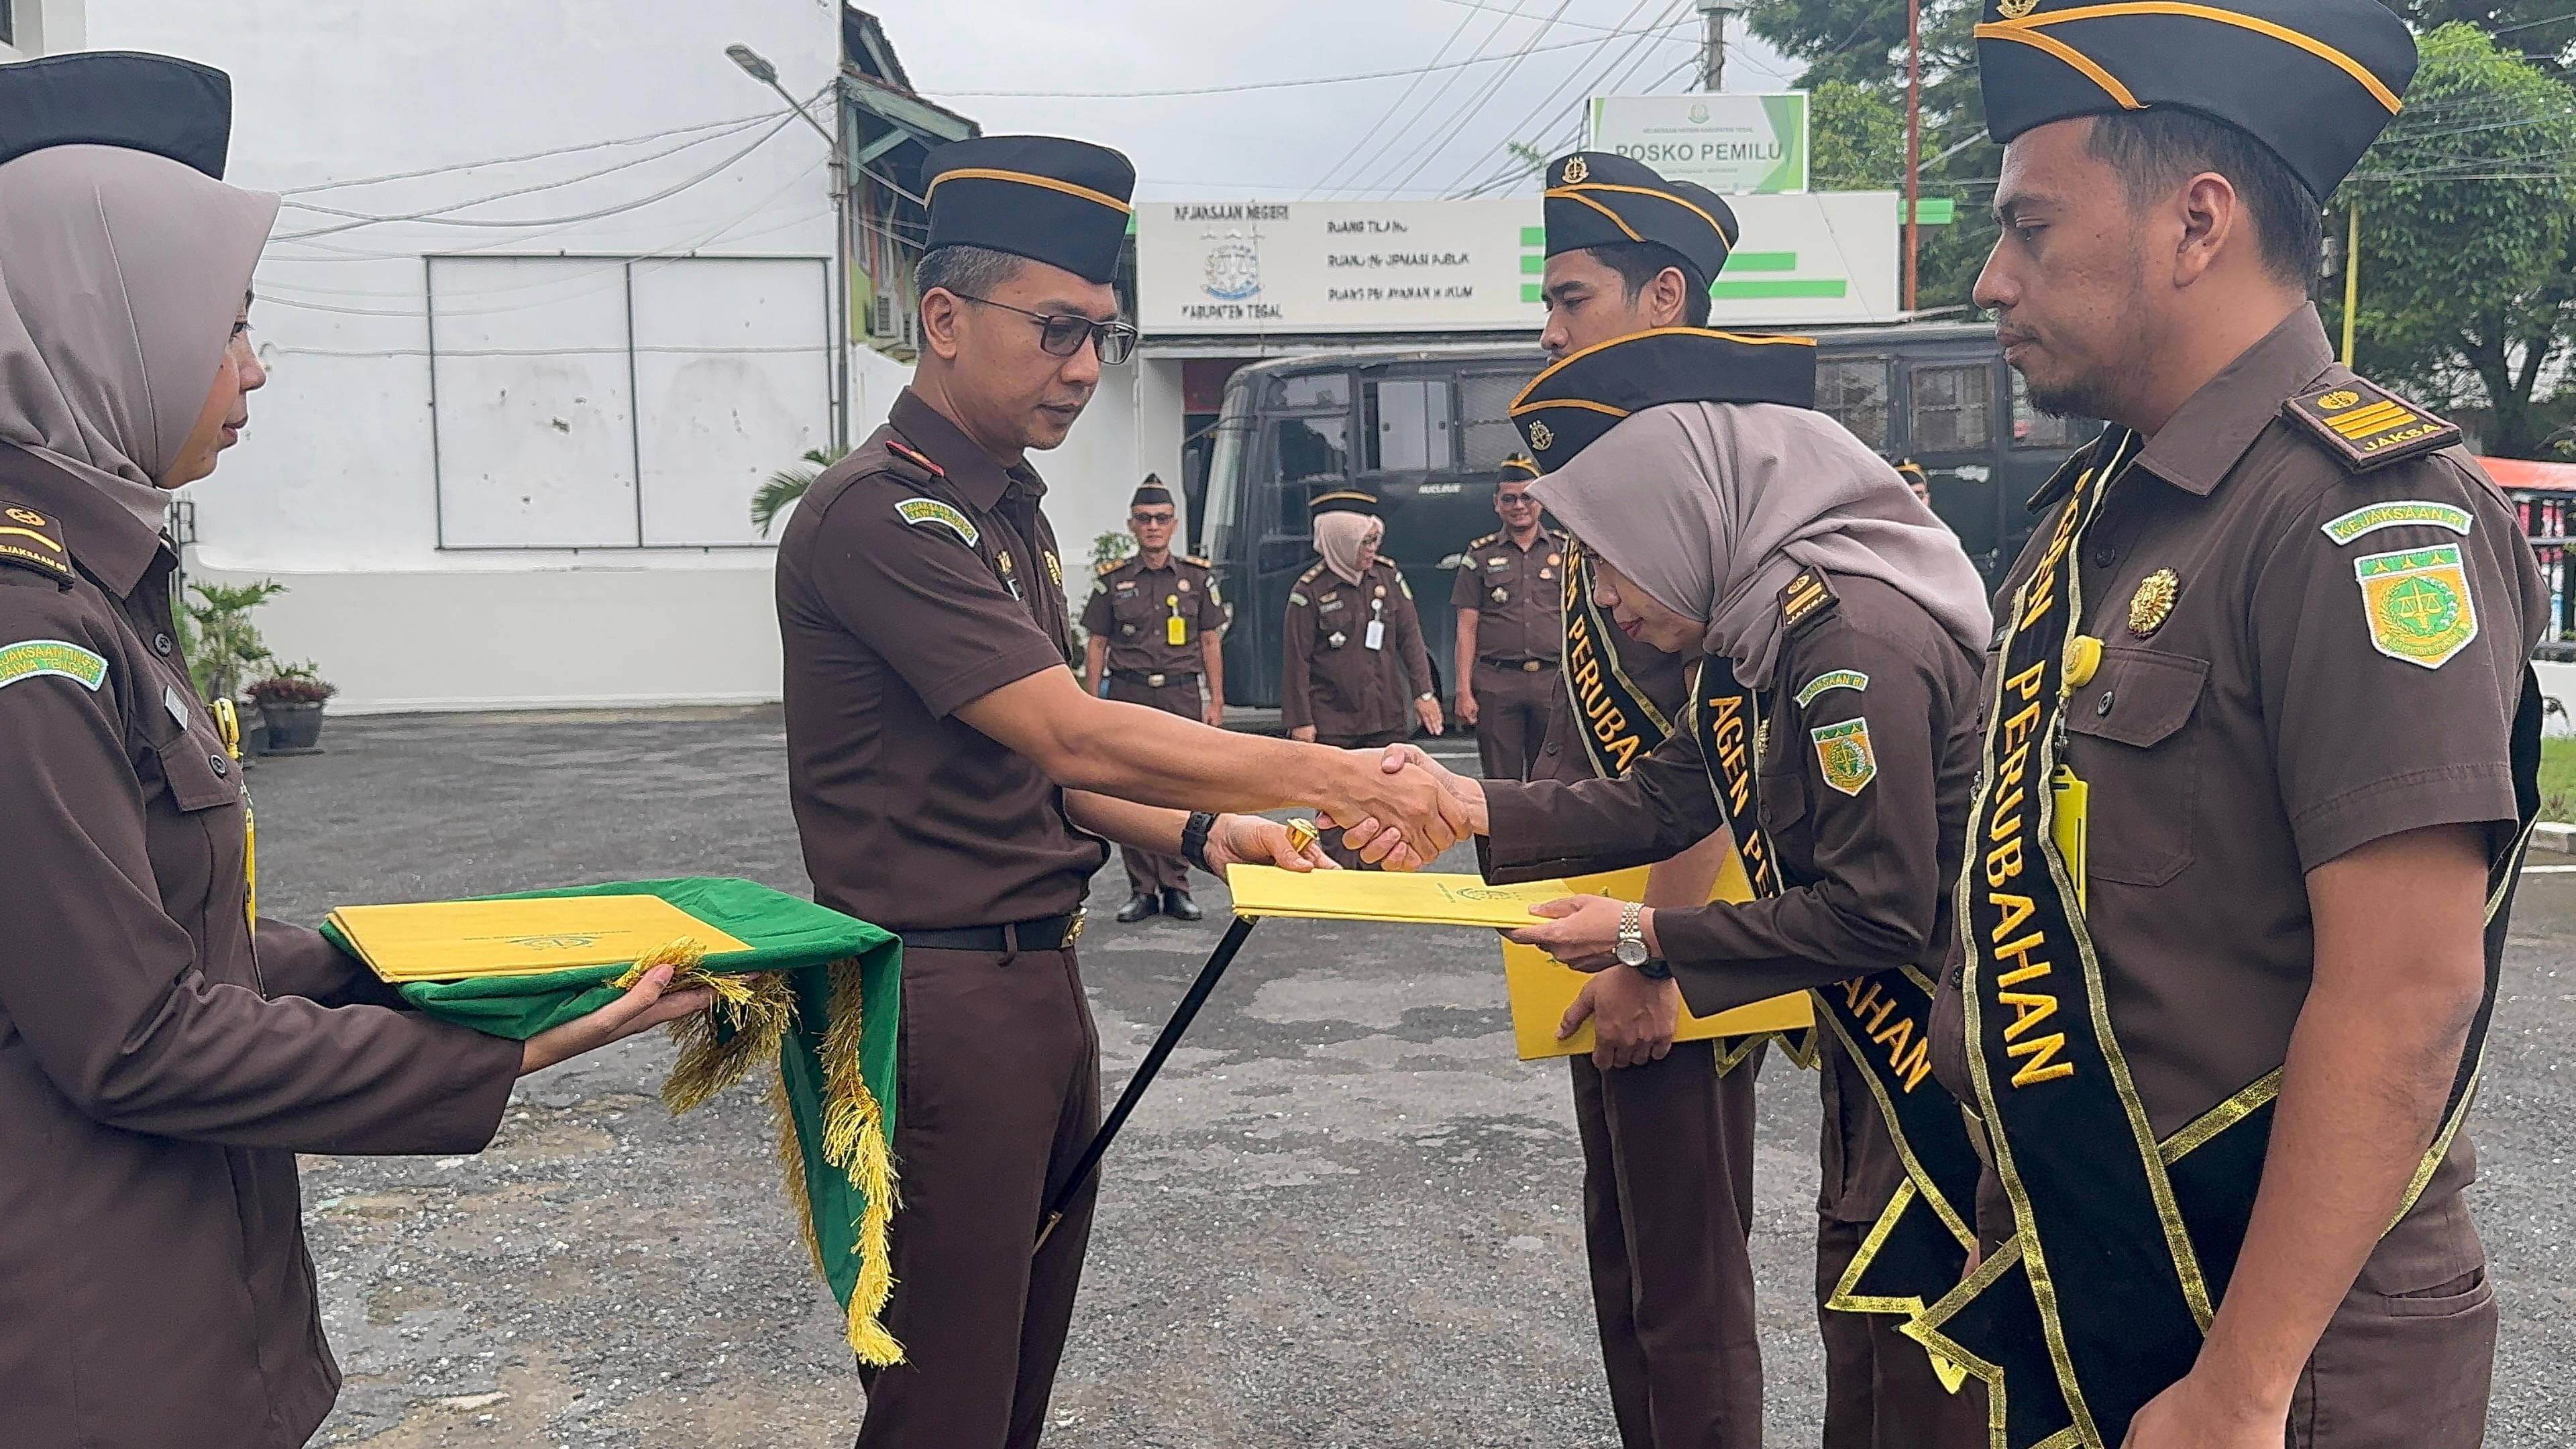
(1509,597)
(1156,623)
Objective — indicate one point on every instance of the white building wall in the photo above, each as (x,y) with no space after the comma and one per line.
(334,487)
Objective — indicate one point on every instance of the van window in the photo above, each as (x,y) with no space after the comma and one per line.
(1853,392)
(1954,408)
(1406,424)
(1225,470)
(1487,436)
(2033,428)
(1308,453)
(1311,390)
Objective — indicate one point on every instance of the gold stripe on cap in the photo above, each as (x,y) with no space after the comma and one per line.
(1647,191)
(1517,409)
(988,173)
(2013,30)
(1568,193)
(2378,89)
(1747,338)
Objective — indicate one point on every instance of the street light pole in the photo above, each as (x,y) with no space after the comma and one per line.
(757,66)
(1712,71)
(1913,139)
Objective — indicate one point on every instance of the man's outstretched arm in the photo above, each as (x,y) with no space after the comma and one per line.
(1153,758)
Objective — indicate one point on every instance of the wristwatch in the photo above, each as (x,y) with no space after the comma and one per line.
(1632,935)
(1194,839)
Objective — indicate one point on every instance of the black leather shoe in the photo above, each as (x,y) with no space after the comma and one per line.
(1178,905)
(1138,907)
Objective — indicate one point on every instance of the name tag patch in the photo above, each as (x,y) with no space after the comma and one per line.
(921,511)
(1831,679)
(2394,514)
(38,657)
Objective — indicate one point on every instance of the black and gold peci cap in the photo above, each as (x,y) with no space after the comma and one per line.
(1343,500)
(1061,202)
(1602,199)
(1518,466)
(1585,394)
(156,103)
(2315,80)
(1149,492)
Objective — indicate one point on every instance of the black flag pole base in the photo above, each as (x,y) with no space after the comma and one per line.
(1173,1030)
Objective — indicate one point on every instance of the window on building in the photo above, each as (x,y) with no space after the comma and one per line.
(1953,409)
(1853,392)
(8,22)
(2033,428)
(1486,435)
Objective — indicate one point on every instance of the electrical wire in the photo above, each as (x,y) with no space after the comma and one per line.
(1368,170)
(1640,43)
(1389,113)
(1423,152)
(737,123)
(1239,88)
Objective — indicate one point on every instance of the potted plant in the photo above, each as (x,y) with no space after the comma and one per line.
(290,704)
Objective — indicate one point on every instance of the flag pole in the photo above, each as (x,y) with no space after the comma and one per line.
(1173,1030)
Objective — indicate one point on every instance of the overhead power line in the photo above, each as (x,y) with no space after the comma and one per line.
(736,123)
(1278,85)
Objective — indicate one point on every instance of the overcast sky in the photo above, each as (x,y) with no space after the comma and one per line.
(1423,134)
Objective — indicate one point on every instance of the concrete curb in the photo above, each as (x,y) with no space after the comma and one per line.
(2552,836)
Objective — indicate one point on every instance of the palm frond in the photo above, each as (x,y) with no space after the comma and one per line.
(789,484)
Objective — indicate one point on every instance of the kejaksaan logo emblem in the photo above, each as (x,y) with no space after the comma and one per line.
(1698,113)
(1233,268)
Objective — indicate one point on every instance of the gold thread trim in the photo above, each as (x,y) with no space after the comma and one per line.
(1569,194)
(1570,190)
(991,173)
(2051,45)
(2378,89)
(1569,359)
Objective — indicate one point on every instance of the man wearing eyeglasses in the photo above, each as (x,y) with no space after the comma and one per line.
(953,783)
(1155,622)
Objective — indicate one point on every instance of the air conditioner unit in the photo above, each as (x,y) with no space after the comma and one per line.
(885,317)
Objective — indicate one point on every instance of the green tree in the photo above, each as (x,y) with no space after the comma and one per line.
(2468,238)
(789,484)
(1859,137)
(224,646)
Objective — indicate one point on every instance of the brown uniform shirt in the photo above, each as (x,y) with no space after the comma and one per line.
(1133,608)
(158,1073)
(1517,595)
(917,576)
(2260,732)
(1866,870)
(1330,678)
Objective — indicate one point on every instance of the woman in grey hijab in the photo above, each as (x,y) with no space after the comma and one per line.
(163,1057)
(1833,729)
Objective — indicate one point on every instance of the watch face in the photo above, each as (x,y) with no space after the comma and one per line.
(1632,953)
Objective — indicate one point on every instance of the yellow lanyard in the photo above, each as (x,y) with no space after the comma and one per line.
(1176,630)
(228,728)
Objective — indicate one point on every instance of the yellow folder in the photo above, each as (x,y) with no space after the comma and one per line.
(1395,897)
(458,940)
(1542,988)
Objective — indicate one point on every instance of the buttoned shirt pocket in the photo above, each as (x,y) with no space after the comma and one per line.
(2139,753)
(199,772)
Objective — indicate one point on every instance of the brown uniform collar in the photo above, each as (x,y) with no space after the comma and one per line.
(960,460)
(111,544)
(2203,439)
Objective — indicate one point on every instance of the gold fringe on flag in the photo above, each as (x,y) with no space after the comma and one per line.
(854,1141)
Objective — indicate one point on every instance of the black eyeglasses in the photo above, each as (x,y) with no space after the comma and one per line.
(1063,336)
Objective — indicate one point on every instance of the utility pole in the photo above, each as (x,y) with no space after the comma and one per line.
(757,66)
(1913,139)
(2351,278)
(1712,70)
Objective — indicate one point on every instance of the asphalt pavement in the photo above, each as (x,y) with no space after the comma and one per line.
(1345,1216)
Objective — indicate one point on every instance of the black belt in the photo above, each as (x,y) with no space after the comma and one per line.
(1150,680)
(1047,933)
(1526,666)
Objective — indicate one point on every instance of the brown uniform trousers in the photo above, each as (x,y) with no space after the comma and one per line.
(1131,610)
(1667,1192)
(980,1151)
(1517,595)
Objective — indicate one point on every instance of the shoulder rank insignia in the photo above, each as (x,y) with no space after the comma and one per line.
(2397,513)
(1831,679)
(1481,542)
(921,511)
(1055,568)
(1843,752)
(1806,597)
(2366,428)
(914,456)
(1310,575)
(57,657)
(1106,567)
(33,540)
(1195,561)
(2417,603)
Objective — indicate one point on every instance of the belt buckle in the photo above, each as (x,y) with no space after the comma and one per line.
(1073,928)
(1155,681)
(1530,666)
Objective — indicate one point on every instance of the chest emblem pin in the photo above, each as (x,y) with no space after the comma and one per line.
(2152,602)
